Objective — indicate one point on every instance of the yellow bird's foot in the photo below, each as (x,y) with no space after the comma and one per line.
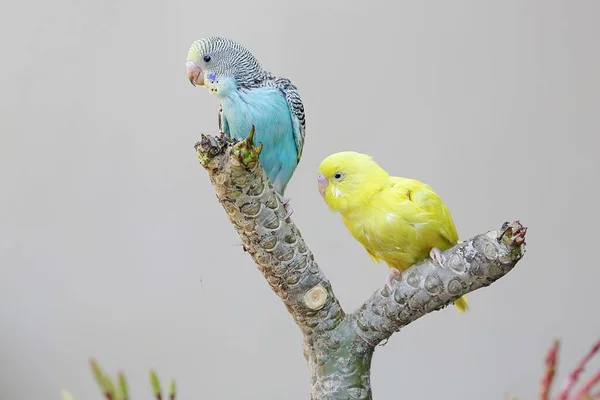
(286,205)
(436,254)
(391,277)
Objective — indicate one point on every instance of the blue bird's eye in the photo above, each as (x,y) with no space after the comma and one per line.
(206,58)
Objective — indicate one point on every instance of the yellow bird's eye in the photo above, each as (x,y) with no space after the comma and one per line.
(338,176)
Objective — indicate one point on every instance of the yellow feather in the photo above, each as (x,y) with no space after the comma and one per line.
(397,220)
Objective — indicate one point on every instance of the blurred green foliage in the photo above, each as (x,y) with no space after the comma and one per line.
(117,389)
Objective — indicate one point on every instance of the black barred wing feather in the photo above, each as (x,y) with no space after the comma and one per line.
(290,92)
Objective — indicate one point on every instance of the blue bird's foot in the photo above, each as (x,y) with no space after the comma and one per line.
(288,210)
(286,205)
(436,254)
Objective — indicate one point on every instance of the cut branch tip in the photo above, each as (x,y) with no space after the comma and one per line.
(513,235)
(316,297)
(208,148)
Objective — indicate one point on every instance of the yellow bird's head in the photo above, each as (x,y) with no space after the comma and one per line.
(347,179)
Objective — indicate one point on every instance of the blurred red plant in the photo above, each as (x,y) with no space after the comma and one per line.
(585,392)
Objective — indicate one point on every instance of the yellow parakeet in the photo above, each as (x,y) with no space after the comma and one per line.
(398,220)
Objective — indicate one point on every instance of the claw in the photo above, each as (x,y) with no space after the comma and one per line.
(288,210)
(436,254)
(286,205)
(391,277)
(281,198)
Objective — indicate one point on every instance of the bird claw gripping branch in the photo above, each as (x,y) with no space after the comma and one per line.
(245,150)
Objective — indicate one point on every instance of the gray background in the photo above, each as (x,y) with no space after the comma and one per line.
(113,245)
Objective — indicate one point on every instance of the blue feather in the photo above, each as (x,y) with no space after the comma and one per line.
(268,111)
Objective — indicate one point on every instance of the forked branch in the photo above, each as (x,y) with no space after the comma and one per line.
(339,347)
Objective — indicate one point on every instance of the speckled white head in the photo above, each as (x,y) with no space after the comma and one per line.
(215,61)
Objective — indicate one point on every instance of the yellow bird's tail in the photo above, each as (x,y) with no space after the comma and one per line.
(461,304)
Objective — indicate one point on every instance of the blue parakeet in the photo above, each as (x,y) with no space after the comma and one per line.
(250,96)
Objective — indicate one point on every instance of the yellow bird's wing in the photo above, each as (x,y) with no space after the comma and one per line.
(407,219)
(414,218)
(401,222)
(432,210)
(440,230)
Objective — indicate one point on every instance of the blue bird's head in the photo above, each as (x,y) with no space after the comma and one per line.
(218,63)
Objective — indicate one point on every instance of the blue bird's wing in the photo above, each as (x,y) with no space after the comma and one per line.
(292,97)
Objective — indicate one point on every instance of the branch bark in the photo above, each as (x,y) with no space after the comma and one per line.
(338,346)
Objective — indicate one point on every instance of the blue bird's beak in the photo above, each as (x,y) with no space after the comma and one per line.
(194,72)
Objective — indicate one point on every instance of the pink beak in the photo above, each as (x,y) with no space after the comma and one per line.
(194,73)
(323,183)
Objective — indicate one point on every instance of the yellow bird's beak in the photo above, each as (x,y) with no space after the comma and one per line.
(322,183)
(194,72)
